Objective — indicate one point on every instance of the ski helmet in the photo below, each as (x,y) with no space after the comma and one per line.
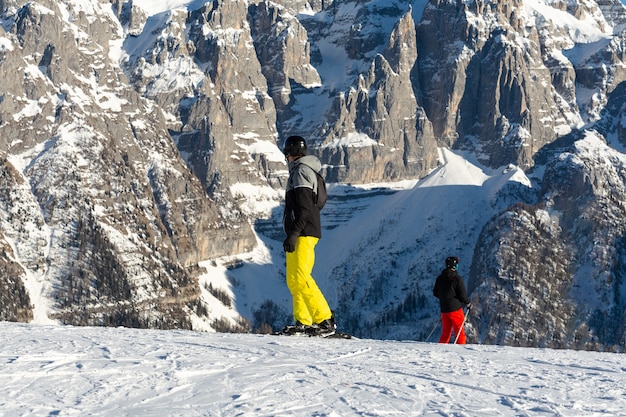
(295,146)
(452,262)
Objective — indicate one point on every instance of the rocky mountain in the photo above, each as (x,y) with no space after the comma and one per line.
(131,134)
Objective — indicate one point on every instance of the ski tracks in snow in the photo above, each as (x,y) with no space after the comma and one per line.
(69,371)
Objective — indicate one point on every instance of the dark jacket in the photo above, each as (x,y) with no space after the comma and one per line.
(301,216)
(450,290)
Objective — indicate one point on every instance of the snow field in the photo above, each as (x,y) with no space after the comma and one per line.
(70,371)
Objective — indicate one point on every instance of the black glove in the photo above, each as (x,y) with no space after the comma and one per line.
(469,306)
(289,245)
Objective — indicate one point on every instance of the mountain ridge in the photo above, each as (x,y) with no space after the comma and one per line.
(141,167)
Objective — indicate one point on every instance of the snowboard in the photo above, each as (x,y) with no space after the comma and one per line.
(336,335)
(339,335)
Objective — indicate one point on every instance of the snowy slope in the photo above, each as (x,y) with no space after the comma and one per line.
(66,371)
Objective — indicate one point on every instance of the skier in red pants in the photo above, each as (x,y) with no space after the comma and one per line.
(450,290)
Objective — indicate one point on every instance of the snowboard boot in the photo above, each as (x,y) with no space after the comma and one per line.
(295,329)
(323,329)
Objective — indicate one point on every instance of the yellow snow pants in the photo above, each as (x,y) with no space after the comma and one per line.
(309,304)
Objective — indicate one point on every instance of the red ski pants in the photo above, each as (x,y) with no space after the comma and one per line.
(452,321)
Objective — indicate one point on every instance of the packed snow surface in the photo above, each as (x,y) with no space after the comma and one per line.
(70,371)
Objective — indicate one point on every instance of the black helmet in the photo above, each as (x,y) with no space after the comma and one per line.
(452,262)
(295,146)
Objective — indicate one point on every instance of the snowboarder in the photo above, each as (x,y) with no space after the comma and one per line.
(302,224)
(450,290)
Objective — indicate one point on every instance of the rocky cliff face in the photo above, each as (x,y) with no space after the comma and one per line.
(100,204)
(395,139)
(564,254)
(130,137)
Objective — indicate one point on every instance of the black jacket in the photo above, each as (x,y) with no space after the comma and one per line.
(301,216)
(450,290)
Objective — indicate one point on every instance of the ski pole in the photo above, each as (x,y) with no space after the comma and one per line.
(461,328)
(433,330)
